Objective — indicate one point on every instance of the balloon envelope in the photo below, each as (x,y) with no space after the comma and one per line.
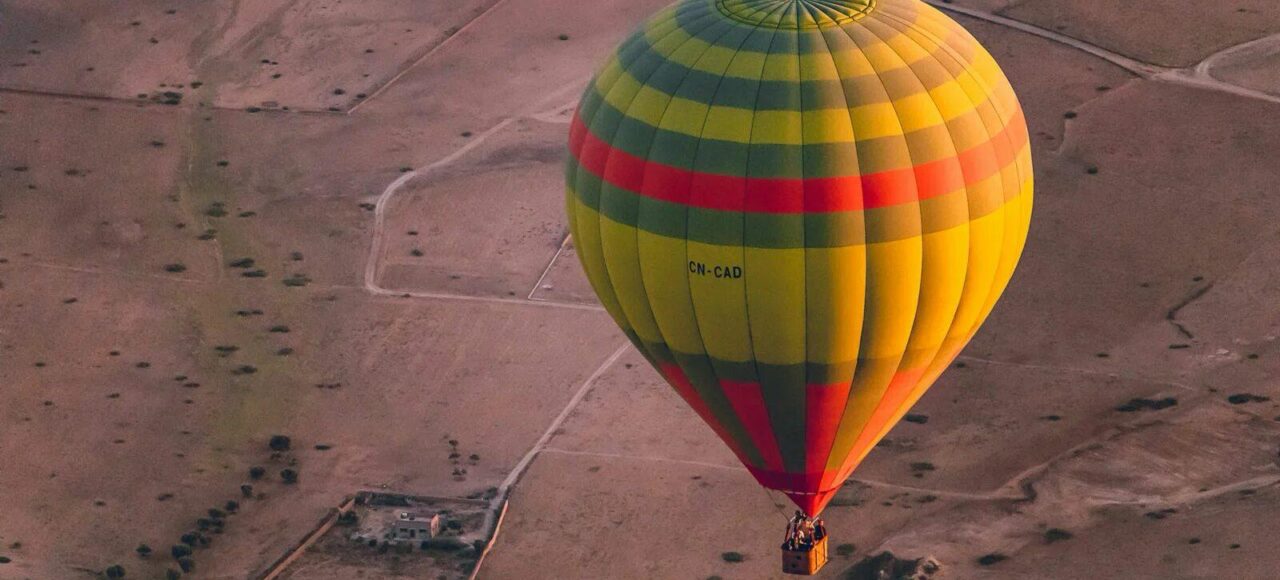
(799,211)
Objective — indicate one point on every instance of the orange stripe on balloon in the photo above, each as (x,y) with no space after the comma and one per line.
(900,387)
(793,195)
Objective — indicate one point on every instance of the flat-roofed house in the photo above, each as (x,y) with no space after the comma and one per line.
(413,527)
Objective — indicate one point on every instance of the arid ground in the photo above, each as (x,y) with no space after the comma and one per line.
(340,221)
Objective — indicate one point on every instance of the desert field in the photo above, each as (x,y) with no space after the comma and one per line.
(342,223)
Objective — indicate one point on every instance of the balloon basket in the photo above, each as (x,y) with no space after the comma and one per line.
(805,561)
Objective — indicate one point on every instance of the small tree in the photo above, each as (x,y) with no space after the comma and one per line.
(187,564)
(179,551)
(172,574)
(143,550)
(114,572)
(246,490)
(256,472)
(280,443)
(289,476)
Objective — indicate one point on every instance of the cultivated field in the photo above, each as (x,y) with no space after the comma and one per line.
(341,221)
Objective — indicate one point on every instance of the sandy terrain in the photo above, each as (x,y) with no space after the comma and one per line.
(121,218)
(1162,32)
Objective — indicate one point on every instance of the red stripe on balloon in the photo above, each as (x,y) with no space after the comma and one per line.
(812,504)
(748,404)
(824,407)
(676,378)
(794,195)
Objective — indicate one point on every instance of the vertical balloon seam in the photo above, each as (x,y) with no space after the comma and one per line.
(924,254)
(641,84)
(861,429)
(998,285)
(920,387)
(763,446)
(604,288)
(608,278)
(804,243)
(633,317)
(950,51)
(804,253)
(909,27)
(842,425)
(1001,132)
(852,462)
(600,215)
(826,456)
(747,171)
(823,455)
(963,63)
(781,424)
(745,441)
(940,44)
(693,304)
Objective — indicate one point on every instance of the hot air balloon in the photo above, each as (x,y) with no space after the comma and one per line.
(799,211)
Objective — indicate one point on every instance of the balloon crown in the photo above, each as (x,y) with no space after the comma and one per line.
(796,14)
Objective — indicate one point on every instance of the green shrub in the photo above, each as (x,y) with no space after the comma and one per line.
(449,544)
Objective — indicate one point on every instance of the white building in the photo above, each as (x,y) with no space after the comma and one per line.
(411,527)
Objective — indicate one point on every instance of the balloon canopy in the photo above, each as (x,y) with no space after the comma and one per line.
(800,211)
